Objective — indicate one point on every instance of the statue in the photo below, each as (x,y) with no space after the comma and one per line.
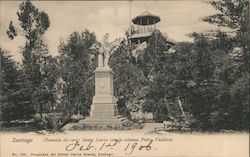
(104,110)
(106,50)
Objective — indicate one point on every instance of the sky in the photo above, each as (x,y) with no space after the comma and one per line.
(178,19)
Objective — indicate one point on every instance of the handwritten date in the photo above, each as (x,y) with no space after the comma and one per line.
(128,147)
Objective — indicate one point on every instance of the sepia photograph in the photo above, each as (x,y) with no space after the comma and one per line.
(137,78)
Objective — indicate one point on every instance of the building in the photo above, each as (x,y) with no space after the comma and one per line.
(143,27)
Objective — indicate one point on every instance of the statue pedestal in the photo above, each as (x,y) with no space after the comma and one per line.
(104,108)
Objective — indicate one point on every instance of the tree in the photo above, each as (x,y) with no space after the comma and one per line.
(207,86)
(235,15)
(15,102)
(33,25)
(77,64)
(128,79)
(158,67)
(45,95)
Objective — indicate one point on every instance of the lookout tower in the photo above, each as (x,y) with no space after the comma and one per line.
(143,27)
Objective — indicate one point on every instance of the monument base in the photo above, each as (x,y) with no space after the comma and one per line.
(104,108)
(108,121)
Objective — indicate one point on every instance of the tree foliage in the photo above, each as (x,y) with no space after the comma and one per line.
(128,80)
(158,67)
(15,101)
(77,64)
(235,15)
(33,24)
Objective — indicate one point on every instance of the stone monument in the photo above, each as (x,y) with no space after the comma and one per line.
(104,108)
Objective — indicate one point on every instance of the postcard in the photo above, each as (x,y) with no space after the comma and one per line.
(124,78)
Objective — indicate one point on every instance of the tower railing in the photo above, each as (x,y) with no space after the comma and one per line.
(142,30)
